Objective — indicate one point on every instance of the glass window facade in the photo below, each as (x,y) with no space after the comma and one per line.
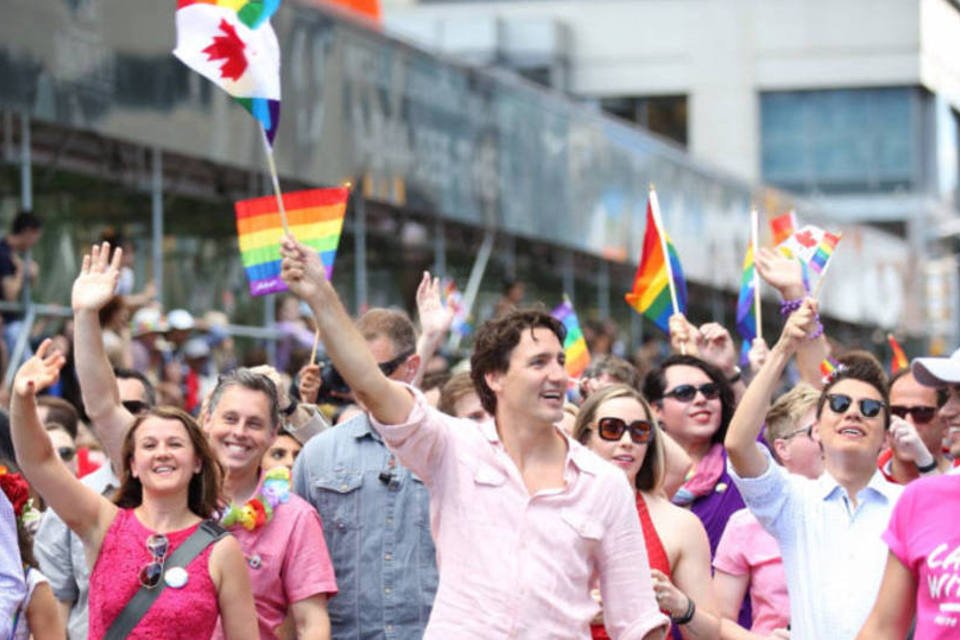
(846,140)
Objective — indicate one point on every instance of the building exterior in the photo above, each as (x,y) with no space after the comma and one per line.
(476,173)
(852,105)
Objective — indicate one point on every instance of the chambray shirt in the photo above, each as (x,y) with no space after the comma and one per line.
(62,559)
(376,522)
(515,565)
(833,554)
(12,586)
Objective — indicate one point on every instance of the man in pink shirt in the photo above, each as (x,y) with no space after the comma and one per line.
(525,519)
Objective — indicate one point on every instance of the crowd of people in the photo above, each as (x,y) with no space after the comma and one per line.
(154,488)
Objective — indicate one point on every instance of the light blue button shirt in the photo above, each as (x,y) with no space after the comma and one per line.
(13,589)
(833,554)
(376,520)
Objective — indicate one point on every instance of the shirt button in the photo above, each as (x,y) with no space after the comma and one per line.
(388,628)
(387,590)
(344,487)
(389,519)
(388,556)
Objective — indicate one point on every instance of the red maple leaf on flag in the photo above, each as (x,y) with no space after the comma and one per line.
(806,238)
(229,48)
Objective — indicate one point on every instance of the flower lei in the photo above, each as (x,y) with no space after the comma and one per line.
(15,487)
(259,509)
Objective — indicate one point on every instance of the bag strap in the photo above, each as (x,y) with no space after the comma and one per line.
(206,534)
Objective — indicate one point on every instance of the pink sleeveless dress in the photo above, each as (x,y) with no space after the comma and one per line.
(189,612)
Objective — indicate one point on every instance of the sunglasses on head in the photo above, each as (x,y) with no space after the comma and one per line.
(687,392)
(641,431)
(136,407)
(150,574)
(840,402)
(392,365)
(921,414)
(66,453)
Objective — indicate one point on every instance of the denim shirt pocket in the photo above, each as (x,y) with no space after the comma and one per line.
(337,497)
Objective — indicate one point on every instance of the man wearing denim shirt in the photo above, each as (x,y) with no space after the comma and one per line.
(375,512)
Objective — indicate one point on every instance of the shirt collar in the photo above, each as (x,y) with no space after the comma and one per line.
(878,486)
(577,454)
(359,427)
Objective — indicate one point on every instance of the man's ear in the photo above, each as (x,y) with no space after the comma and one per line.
(412,366)
(779,448)
(494,381)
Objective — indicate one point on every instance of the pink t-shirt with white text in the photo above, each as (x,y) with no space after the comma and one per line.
(923,534)
(746,549)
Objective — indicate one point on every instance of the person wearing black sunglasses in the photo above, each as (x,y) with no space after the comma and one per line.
(828,529)
(916,431)
(515,488)
(617,424)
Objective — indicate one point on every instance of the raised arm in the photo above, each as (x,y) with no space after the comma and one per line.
(741,440)
(387,400)
(786,275)
(895,606)
(84,511)
(93,289)
(435,321)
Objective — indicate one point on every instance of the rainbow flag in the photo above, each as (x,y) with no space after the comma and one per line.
(574,345)
(899,360)
(783,226)
(818,262)
(651,284)
(231,43)
(315,217)
(828,366)
(746,316)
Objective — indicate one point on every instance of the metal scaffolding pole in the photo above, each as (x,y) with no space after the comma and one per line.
(360,249)
(156,220)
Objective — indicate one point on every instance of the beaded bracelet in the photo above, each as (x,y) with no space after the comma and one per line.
(789,306)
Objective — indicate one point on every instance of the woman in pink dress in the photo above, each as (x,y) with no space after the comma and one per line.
(170,485)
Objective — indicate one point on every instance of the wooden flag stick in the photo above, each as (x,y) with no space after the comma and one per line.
(823,276)
(316,343)
(276,181)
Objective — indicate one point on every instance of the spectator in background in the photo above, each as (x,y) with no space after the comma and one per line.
(459,398)
(115,318)
(607,369)
(916,430)
(147,328)
(16,269)
(511,298)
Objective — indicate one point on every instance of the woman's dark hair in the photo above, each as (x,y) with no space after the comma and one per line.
(495,342)
(650,475)
(864,368)
(203,494)
(655,385)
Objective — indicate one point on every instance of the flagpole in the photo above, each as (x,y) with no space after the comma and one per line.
(276,181)
(655,209)
(754,241)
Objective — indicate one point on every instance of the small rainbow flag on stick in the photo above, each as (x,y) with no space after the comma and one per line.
(783,226)
(316,219)
(659,289)
(818,262)
(899,360)
(574,345)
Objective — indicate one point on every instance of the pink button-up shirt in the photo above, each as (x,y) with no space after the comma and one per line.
(514,565)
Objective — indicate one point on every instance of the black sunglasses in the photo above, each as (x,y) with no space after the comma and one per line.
(921,414)
(392,365)
(66,453)
(840,402)
(687,392)
(641,431)
(136,407)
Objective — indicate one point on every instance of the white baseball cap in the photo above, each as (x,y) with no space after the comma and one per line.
(180,319)
(937,372)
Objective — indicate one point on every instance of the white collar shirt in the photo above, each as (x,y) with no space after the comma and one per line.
(833,554)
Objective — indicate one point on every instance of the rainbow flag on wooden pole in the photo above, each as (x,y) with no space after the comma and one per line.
(748,301)
(315,216)
(574,345)
(659,289)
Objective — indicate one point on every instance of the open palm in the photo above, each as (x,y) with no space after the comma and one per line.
(40,371)
(97,283)
(435,317)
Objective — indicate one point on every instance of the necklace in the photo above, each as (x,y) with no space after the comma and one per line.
(258,510)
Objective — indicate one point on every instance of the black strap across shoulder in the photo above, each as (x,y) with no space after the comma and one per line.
(206,534)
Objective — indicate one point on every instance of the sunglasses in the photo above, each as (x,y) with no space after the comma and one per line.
(921,414)
(392,365)
(641,431)
(66,453)
(136,407)
(807,430)
(687,392)
(840,402)
(150,574)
